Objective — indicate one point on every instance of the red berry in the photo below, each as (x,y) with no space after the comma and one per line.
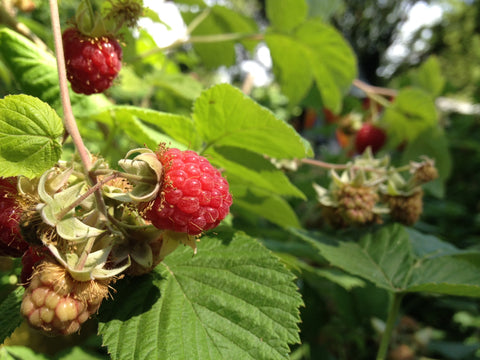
(30,258)
(370,135)
(11,240)
(194,195)
(92,62)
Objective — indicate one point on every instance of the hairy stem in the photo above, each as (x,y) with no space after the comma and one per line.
(201,39)
(391,319)
(331,166)
(95,188)
(131,177)
(68,118)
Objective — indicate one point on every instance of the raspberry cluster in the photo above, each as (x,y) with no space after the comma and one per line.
(92,63)
(194,195)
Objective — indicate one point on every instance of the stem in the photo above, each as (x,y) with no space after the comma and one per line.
(391,319)
(370,89)
(326,165)
(86,194)
(200,39)
(68,117)
(69,120)
(132,177)
(86,251)
(198,20)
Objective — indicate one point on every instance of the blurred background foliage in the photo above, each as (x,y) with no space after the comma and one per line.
(344,315)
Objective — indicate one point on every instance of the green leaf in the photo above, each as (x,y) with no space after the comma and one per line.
(224,116)
(10,317)
(233,300)
(176,130)
(316,51)
(220,21)
(78,352)
(291,66)
(263,203)
(434,144)
(323,8)
(180,85)
(429,76)
(403,260)
(35,70)
(412,112)
(29,132)
(285,15)
(20,352)
(252,169)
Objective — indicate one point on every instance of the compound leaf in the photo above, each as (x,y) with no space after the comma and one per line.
(233,300)
(404,260)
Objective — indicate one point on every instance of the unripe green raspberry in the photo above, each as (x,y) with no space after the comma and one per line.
(56,303)
(356,204)
(406,209)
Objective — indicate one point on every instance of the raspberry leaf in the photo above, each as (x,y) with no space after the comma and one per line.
(10,317)
(220,20)
(178,131)
(412,112)
(246,167)
(269,206)
(233,300)
(285,15)
(318,52)
(21,352)
(29,136)
(224,116)
(400,259)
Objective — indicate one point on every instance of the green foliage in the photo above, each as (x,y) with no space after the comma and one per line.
(235,299)
(403,260)
(10,310)
(232,300)
(412,112)
(220,20)
(285,15)
(29,136)
(314,52)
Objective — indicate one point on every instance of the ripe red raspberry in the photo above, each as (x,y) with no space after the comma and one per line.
(92,62)
(11,240)
(194,196)
(56,303)
(30,258)
(370,135)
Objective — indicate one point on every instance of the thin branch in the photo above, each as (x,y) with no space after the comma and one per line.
(370,89)
(69,119)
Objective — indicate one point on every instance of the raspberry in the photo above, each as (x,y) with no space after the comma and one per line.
(194,196)
(56,303)
(406,209)
(92,62)
(356,203)
(11,240)
(425,172)
(30,258)
(369,135)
